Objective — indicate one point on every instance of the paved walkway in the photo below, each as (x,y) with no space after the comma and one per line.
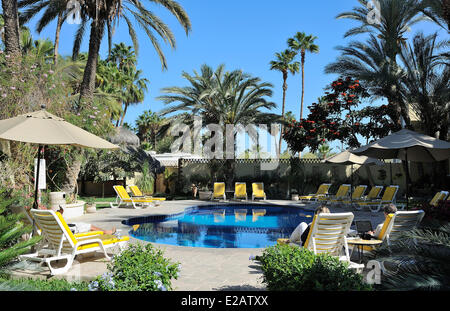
(202,268)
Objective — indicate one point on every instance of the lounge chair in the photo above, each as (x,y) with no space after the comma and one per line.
(373,194)
(341,194)
(321,191)
(63,244)
(258,191)
(240,190)
(328,234)
(219,191)
(397,223)
(439,196)
(388,197)
(356,195)
(124,197)
(137,193)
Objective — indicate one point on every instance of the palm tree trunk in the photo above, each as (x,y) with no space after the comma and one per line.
(70,180)
(303,84)
(123,115)
(282,110)
(58,31)
(12,37)
(108,25)
(88,84)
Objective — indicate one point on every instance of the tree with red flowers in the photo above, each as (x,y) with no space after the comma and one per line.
(336,117)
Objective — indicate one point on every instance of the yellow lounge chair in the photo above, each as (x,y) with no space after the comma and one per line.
(63,244)
(340,195)
(395,224)
(439,196)
(356,195)
(321,191)
(328,234)
(137,193)
(258,191)
(240,190)
(123,197)
(219,191)
(388,197)
(373,194)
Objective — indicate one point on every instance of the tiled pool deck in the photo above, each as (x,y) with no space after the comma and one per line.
(203,269)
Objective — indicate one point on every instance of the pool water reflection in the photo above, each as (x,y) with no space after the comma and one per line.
(220,226)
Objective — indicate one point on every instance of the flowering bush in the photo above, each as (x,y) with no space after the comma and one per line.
(138,268)
(336,117)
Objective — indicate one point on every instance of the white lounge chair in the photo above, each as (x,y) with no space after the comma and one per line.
(328,234)
(61,243)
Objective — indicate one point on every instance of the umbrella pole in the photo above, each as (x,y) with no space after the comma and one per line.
(407,179)
(35,203)
(351,185)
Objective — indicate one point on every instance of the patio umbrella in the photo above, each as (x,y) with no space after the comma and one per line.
(408,146)
(43,128)
(348,158)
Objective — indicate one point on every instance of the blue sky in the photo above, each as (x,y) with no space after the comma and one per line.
(242,34)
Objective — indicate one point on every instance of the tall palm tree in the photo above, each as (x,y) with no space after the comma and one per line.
(151,126)
(107,13)
(222,98)
(427,85)
(396,18)
(303,43)
(52,9)
(11,33)
(369,62)
(284,63)
(134,91)
(123,56)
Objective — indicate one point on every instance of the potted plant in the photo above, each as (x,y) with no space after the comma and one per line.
(90,206)
(294,195)
(201,183)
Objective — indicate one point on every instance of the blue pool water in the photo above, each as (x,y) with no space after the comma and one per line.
(221,226)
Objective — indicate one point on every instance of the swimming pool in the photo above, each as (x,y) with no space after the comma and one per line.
(221,226)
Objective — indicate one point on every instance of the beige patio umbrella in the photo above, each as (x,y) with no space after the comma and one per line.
(348,158)
(43,128)
(408,146)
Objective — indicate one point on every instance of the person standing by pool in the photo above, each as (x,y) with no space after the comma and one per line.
(300,234)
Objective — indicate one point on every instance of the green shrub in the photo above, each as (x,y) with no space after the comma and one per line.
(138,268)
(287,268)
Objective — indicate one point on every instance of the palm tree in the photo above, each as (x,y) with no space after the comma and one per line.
(396,18)
(303,43)
(11,33)
(438,11)
(151,126)
(222,98)
(369,63)
(134,91)
(106,13)
(418,260)
(427,85)
(284,64)
(56,9)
